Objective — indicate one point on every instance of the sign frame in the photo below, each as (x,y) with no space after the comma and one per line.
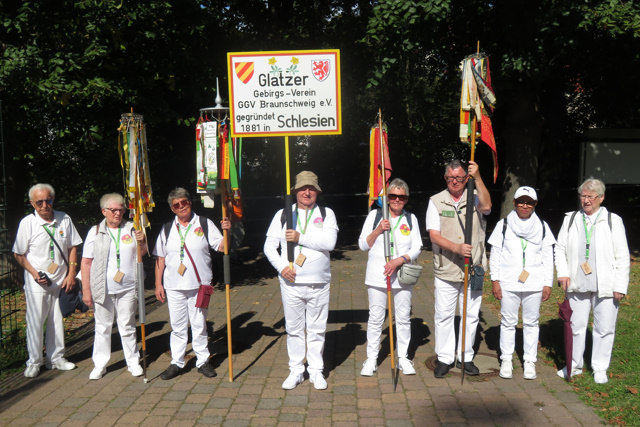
(261,68)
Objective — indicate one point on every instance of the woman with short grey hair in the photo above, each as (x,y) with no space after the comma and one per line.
(108,270)
(592,261)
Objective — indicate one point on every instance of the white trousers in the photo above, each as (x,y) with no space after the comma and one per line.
(377,312)
(305,306)
(509,308)
(124,307)
(605,313)
(41,307)
(182,311)
(447,295)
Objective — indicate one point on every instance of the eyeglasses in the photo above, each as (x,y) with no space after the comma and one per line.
(40,202)
(455,178)
(589,198)
(180,204)
(115,211)
(525,202)
(400,197)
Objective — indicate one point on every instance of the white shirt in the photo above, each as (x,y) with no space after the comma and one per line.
(34,243)
(128,258)
(506,260)
(197,245)
(405,241)
(315,243)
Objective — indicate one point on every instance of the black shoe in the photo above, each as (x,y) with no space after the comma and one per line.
(171,372)
(441,369)
(469,368)
(207,370)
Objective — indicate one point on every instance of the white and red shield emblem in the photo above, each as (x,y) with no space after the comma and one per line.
(320,69)
(244,71)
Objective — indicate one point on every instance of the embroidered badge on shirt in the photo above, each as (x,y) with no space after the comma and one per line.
(126,239)
(318,222)
(61,233)
(198,232)
(405,230)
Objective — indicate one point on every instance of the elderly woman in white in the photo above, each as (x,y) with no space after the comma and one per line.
(406,243)
(522,274)
(109,283)
(592,261)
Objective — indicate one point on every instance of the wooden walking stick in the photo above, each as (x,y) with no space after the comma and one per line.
(387,254)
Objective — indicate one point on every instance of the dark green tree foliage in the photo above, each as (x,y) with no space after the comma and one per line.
(70,68)
(556,69)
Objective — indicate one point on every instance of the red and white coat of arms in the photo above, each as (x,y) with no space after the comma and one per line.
(320,69)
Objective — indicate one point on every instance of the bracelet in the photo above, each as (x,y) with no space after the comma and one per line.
(405,258)
(73,263)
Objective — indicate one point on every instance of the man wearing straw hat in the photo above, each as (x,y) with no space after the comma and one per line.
(304,285)
(46,247)
(446,215)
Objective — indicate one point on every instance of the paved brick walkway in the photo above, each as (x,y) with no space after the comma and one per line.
(255,397)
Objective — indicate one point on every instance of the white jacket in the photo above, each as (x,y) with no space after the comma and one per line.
(613,261)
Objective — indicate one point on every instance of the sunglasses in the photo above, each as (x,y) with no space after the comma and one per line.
(525,202)
(40,202)
(400,197)
(115,211)
(455,178)
(180,204)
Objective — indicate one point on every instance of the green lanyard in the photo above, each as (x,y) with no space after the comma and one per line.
(587,233)
(51,235)
(307,224)
(523,243)
(394,229)
(182,240)
(117,242)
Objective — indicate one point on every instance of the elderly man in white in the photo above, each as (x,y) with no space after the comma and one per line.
(46,247)
(305,287)
(592,262)
(446,215)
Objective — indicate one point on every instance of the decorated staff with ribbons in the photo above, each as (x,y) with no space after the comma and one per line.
(184,279)
(446,216)
(522,273)
(305,286)
(593,264)
(406,243)
(109,283)
(132,147)
(46,247)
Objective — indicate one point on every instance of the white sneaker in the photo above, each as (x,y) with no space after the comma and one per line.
(292,381)
(97,373)
(136,370)
(562,373)
(529,370)
(61,365)
(506,369)
(406,366)
(318,381)
(600,377)
(369,367)
(32,371)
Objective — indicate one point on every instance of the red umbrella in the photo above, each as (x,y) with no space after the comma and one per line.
(565,312)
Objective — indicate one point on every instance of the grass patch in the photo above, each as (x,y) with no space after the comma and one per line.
(617,401)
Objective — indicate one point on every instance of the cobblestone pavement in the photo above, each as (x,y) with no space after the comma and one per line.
(255,396)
